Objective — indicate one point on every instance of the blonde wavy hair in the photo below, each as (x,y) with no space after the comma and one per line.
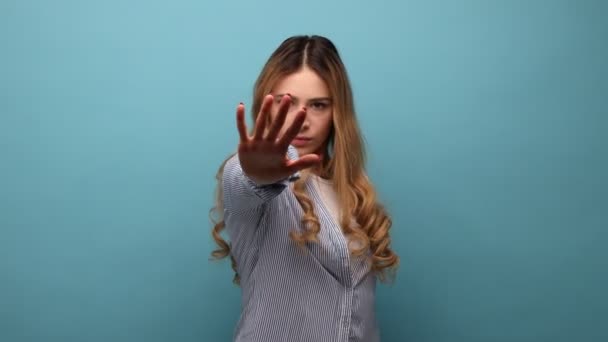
(344,163)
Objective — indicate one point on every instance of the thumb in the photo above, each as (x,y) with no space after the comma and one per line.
(303,162)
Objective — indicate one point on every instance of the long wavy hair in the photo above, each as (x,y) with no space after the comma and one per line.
(344,161)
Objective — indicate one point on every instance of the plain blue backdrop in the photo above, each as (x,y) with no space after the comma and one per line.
(486,124)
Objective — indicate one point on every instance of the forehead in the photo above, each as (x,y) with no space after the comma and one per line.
(304,84)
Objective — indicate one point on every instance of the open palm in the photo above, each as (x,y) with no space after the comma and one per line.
(263,156)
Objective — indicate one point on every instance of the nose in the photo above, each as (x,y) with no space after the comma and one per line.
(306,124)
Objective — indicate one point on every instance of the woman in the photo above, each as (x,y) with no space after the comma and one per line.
(307,236)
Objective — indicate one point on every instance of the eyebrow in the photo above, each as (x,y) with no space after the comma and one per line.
(311,100)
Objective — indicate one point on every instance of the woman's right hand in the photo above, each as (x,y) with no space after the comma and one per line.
(263,156)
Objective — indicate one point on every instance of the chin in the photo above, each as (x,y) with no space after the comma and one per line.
(308,149)
(302,151)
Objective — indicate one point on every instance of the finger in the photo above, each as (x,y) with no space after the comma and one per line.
(260,123)
(279,121)
(240,123)
(303,162)
(294,129)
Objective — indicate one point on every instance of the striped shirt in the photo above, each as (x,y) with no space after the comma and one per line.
(322,294)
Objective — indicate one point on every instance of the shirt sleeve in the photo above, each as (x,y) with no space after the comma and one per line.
(241,193)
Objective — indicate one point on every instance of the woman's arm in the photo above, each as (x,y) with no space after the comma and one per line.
(265,162)
(241,193)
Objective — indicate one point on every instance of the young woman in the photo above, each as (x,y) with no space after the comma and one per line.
(307,235)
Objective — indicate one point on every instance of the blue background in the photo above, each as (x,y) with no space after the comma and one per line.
(486,123)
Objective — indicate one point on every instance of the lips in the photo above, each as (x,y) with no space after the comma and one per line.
(301,141)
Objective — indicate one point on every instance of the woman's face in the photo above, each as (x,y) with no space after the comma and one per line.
(308,90)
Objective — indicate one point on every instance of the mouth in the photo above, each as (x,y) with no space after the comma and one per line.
(301,141)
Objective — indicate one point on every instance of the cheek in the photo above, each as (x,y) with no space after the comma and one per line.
(326,125)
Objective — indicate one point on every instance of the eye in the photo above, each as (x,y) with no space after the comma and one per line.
(319,105)
(277,100)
